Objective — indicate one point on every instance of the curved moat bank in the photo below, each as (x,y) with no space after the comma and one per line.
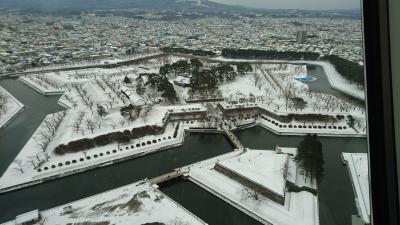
(321,84)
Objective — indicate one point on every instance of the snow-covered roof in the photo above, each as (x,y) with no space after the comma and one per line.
(358,168)
(182,80)
(300,208)
(265,168)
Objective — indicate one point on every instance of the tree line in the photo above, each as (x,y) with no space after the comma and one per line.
(201,79)
(208,79)
(268,54)
(163,85)
(105,139)
(188,51)
(180,67)
(4,99)
(350,70)
(312,117)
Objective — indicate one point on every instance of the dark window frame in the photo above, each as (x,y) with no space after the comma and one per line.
(379,93)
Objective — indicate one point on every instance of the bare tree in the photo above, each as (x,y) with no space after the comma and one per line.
(42,221)
(122,122)
(77,126)
(32,161)
(81,115)
(3,102)
(287,93)
(252,193)
(19,166)
(178,221)
(90,124)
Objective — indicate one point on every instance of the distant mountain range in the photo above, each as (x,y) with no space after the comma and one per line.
(53,6)
(120,7)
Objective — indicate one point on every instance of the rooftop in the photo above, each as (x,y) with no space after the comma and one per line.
(265,168)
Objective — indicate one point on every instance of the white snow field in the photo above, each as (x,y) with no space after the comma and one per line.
(299,208)
(248,165)
(94,62)
(84,91)
(357,164)
(134,204)
(297,127)
(10,108)
(336,80)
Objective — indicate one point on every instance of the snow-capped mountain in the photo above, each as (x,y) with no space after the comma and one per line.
(54,6)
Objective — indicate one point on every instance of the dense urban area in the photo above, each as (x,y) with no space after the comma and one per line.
(27,41)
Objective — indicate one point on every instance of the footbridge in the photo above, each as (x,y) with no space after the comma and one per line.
(232,137)
(167,176)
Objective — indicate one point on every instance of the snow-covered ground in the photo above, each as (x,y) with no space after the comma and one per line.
(248,165)
(357,164)
(84,91)
(33,165)
(340,83)
(135,204)
(104,61)
(295,127)
(24,169)
(11,107)
(298,208)
(336,80)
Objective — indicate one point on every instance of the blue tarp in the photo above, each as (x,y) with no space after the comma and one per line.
(303,77)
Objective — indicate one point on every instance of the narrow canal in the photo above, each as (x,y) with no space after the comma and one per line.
(336,197)
(208,207)
(71,188)
(321,84)
(17,133)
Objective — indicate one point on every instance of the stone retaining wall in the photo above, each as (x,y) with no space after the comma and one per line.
(250,184)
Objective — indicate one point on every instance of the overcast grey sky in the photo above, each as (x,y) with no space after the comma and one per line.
(295,4)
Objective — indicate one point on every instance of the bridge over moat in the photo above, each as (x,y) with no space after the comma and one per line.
(168,176)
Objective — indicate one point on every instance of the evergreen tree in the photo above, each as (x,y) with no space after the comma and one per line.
(140,89)
(167,90)
(165,69)
(181,66)
(299,103)
(203,80)
(351,121)
(196,64)
(101,111)
(127,80)
(243,68)
(309,157)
